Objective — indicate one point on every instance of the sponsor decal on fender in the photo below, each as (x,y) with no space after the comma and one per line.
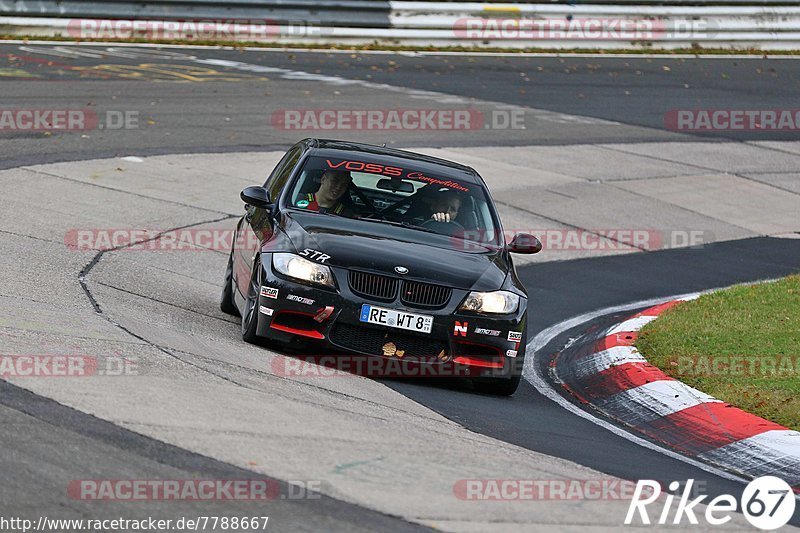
(511,353)
(265,310)
(269,292)
(460,329)
(514,336)
(490,332)
(324,314)
(295,298)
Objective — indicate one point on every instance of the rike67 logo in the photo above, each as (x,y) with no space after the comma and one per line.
(767,503)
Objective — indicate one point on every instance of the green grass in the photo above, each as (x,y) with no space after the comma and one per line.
(741,345)
(384,46)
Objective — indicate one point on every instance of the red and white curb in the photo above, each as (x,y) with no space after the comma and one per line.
(614,378)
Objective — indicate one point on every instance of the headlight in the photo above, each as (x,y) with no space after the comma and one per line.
(501,302)
(299,268)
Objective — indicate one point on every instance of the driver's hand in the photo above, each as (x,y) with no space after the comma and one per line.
(441,217)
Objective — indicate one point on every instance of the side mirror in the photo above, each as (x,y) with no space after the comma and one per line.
(525,243)
(256,196)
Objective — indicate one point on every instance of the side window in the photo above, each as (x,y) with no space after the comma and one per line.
(282,172)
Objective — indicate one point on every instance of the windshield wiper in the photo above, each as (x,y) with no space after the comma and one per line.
(420,228)
(401,224)
(373,218)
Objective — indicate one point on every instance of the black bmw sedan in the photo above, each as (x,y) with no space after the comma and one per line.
(381,253)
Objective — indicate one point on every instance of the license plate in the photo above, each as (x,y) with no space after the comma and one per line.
(395,319)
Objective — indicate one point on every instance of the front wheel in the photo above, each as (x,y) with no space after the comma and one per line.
(250,315)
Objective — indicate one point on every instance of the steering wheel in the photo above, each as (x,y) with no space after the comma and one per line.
(447,228)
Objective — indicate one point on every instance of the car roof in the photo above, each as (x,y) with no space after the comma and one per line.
(393,156)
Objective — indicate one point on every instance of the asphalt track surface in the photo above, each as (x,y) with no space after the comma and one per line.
(44,442)
(228,110)
(228,115)
(561,290)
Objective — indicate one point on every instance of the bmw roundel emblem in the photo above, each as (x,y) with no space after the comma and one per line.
(401,270)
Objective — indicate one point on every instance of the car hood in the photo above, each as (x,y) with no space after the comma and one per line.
(378,247)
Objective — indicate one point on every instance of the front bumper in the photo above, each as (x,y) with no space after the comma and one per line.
(459,344)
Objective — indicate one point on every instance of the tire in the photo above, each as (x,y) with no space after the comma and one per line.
(250,315)
(226,303)
(498,387)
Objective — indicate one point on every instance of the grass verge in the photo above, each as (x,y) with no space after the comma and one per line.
(741,345)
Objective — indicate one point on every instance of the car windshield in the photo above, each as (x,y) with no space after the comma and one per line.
(397,196)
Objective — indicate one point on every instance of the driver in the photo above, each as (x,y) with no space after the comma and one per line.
(327,199)
(445,206)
